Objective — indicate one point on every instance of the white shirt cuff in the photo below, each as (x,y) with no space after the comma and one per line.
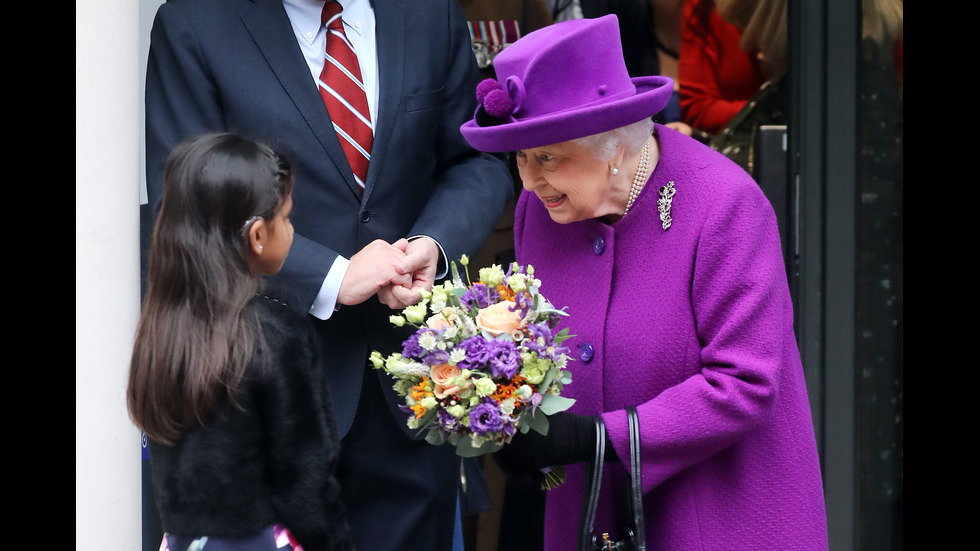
(325,303)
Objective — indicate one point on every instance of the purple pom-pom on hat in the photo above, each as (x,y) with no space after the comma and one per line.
(485,87)
(497,104)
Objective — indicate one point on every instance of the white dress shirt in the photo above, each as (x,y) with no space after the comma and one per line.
(311,35)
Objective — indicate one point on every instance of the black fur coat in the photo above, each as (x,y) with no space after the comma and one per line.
(269,461)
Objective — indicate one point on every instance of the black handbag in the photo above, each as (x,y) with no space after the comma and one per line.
(632,537)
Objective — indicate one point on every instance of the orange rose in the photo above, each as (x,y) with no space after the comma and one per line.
(444,375)
(498,319)
(439,321)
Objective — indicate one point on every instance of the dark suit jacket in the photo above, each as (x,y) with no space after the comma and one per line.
(234,65)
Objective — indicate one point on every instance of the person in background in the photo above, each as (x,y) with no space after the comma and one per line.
(227,383)
(763,28)
(666,256)
(385,164)
(717,76)
(667,18)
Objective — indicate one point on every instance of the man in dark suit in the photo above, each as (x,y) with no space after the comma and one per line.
(251,66)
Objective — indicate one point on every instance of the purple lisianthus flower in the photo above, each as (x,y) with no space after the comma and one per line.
(411,348)
(504,359)
(485,418)
(479,296)
(543,332)
(435,357)
(477,355)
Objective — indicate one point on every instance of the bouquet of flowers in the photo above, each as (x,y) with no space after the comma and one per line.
(484,361)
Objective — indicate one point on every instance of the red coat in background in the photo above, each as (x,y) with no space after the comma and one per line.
(716,76)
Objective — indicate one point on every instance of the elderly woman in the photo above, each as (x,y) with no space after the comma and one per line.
(668,259)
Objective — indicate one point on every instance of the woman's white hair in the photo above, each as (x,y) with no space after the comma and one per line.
(605,145)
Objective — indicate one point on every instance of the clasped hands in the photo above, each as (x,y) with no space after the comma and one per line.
(396,272)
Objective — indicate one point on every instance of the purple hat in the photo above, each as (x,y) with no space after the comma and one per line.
(564,81)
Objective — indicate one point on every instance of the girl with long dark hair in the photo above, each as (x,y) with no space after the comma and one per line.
(227,384)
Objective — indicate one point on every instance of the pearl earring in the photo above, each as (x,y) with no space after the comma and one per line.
(260,248)
(614,170)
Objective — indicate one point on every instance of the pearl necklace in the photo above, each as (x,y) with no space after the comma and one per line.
(640,179)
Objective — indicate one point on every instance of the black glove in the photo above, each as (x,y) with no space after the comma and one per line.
(570,439)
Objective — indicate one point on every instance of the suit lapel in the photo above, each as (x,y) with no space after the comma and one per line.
(389,16)
(269,26)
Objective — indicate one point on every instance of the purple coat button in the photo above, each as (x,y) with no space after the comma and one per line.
(585,352)
(599,245)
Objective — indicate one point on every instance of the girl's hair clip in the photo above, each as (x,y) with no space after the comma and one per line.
(248,224)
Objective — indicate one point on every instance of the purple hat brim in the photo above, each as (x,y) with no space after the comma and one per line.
(652,95)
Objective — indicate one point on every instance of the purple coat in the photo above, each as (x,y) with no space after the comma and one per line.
(694,325)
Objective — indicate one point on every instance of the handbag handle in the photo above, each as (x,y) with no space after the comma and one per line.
(636,482)
(587,540)
(593,481)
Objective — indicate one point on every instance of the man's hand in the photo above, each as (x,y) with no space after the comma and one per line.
(376,266)
(419,265)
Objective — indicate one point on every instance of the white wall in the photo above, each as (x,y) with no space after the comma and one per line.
(109,53)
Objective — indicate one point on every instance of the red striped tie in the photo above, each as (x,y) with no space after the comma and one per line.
(343,92)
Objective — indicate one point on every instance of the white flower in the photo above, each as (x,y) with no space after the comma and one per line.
(467,327)
(457,355)
(408,369)
(507,406)
(428,341)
